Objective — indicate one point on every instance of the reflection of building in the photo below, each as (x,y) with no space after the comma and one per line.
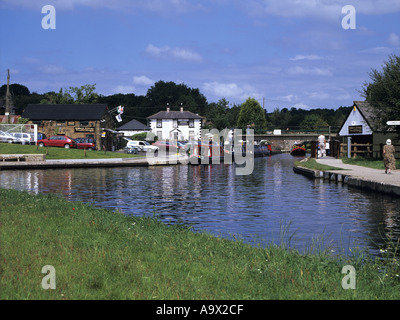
(362,128)
(73,120)
(176,125)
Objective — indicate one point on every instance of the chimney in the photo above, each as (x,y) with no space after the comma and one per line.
(167,109)
(181,109)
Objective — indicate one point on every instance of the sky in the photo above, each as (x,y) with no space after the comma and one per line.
(287,53)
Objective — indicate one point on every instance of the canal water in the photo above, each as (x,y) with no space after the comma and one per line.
(272,205)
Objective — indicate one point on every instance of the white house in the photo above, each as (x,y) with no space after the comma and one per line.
(176,125)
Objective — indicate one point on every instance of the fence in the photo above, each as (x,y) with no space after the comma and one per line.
(302,130)
(20,128)
(338,150)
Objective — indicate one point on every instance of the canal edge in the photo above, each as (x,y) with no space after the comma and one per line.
(334,176)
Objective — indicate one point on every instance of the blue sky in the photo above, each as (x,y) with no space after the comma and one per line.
(286,53)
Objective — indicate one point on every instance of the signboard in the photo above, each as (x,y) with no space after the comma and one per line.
(183,122)
(88,129)
(355,129)
(393,123)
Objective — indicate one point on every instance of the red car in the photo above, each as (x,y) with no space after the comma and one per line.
(58,141)
(86,143)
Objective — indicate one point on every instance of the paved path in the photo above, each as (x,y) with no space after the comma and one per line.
(362,172)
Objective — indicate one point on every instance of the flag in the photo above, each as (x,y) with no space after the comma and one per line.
(120,109)
(119,119)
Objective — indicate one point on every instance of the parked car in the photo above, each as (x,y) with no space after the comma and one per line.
(142,146)
(58,141)
(86,143)
(6,137)
(24,138)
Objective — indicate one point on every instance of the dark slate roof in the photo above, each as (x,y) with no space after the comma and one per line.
(365,108)
(175,115)
(65,112)
(134,125)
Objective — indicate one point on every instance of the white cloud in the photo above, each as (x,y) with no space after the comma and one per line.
(288,98)
(168,53)
(378,50)
(142,81)
(309,71)
(319,8)
(319,95)
(161,6)
(52,69)
(123,89)
(394,40)
(230,91)
(306,57)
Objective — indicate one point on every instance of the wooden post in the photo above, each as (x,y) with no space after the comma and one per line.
(355,150)
(8,99)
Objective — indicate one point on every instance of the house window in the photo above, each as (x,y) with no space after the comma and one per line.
(84,123)
(191,123)
(175,124)
(159,135)
(159,123)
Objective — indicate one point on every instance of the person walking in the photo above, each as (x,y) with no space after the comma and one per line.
(388,156)
(322,144)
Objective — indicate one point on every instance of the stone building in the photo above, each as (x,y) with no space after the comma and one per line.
(73,120)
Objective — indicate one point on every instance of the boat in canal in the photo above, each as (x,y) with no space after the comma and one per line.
(298,149)
(199,152)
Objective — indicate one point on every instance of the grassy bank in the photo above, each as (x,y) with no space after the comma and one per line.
(310,163)
(53,153)
(100,254)
(368,162)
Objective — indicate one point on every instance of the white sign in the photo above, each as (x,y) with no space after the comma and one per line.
(393,123)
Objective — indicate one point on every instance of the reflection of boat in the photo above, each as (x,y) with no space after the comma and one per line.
(298,149)
(207,154)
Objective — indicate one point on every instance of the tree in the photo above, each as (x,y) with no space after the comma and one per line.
(57,98)
(383,93)
(15,90)
(251,115)
(217,115)
(169,93)
(313,122)
(84,94)
(74,95)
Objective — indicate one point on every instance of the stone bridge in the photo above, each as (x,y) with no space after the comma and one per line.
(286,141)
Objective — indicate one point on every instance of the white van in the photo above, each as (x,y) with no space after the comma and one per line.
(141,146)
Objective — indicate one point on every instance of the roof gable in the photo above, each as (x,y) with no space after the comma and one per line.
(134,125)
(358,117)
(175,115)
(65,112)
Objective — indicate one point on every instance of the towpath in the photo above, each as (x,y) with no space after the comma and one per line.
(362,172)
(365,178)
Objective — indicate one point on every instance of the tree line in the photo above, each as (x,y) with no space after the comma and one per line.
(382,93)
(219,115)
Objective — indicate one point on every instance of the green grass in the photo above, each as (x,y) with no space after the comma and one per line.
(368,162)
(310,163)
(101,254)
(53,153)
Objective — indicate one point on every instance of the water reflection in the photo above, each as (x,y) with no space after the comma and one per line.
(213,198)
